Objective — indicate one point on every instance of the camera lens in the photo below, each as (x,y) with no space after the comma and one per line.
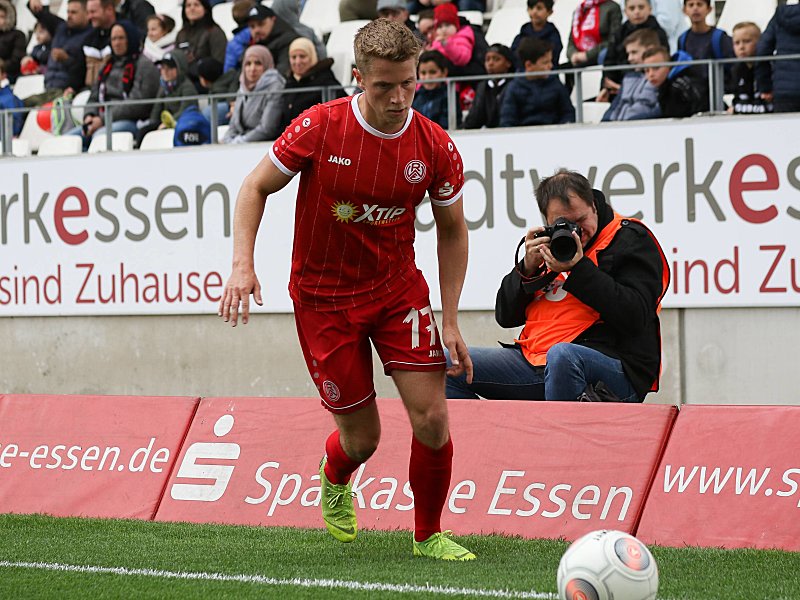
(562,245)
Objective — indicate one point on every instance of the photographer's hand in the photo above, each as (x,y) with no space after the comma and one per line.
(555,265)
(533,256)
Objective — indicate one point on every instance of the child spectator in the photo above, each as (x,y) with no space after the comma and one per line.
(160,38)
(175,85)
(637,98)
(256,118)
(594,24)
(200,35)
(241,35)
(9,100)
(485,111)
(679,94)
(36,61)
(780,80)
(639,14)
(306,71)
(539,12)
(12,41)
(452,38)
(702,41)
(747,98)
(214,81)
(431,97)
(536,99)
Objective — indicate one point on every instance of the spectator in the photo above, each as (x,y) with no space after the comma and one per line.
(536,99)
(137,12)
(396,10)
(9,100)
(12,41)
(241,35)
(289,11)
(36,61)
(425,22)
(214,81)
(66,66)
(637,98)
(431,98)
(780,80)
(702,41)
(485,111)
(97,47)
(256,117)
(128,75)
(160,38)
(591,328)
(539,12)
(306,71)
(200,36)
(680,94)
(639,14)
(594,24)
(747,97)
(269,30)
(175,86)
(454,39)
(356,10)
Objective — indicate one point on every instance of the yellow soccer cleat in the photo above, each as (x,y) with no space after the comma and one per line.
(441,547)
(338,511)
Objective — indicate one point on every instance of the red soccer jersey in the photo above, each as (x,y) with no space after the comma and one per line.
(354,220)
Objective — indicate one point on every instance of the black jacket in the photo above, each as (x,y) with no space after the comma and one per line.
(625,288)
(485,111)
(278,42)
(320,75)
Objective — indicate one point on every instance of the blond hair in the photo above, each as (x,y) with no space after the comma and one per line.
(744,24)
(389,40)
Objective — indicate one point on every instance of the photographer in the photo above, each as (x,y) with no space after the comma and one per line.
(590,313)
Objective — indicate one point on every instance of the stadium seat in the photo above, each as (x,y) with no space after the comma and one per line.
(25,18)
(590,85)
(736,11)
(121,141)
(340,48)
(63,145)
(593,111)
(28,85)
(475,17)
(20,148)
(32,132)
(321,15)
(159,139)
(61,12)
(221,131)
(223,16)
(505,25)
(77,105)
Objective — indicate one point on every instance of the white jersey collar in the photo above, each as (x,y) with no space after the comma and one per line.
(363,122)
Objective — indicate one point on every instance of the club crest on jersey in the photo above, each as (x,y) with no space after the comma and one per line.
(344,211)
(330,390)
(414,171)
(339,160)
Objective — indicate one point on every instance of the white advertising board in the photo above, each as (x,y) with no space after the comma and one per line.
(151,232)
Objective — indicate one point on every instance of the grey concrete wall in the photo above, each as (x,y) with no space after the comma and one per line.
(711,356)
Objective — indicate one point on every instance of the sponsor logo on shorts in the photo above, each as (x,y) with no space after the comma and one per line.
(331,390)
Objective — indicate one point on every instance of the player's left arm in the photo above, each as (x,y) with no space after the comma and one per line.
(452,245)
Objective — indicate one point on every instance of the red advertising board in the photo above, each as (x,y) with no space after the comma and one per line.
(535,469)
(89,456)
(730,477)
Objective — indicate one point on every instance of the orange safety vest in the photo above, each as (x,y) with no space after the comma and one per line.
(556,316)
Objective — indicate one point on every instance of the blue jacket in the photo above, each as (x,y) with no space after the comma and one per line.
(432,104)
(234,51)
(782,36)
(72,72)
(549,34)
(9,100)
(536,102)
(637,99)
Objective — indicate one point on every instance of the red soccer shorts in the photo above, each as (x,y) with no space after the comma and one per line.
(336,344)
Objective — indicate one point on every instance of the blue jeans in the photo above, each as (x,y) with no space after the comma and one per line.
(505,374)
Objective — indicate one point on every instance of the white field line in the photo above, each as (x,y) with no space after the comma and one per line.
(357,586)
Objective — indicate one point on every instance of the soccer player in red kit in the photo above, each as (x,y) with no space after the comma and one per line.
(365,163)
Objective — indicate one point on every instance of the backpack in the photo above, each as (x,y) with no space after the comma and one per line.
(716,42)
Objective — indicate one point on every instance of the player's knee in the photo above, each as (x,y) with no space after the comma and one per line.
(363,446)
(431,425)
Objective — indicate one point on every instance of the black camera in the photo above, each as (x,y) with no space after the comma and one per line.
(562,245)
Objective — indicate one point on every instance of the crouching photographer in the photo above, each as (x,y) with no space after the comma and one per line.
(587,292)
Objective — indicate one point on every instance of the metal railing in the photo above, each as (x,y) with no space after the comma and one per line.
(715,69)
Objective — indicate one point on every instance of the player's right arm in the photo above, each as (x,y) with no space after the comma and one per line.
(264,180)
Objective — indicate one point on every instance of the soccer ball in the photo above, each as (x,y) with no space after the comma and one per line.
(607,565)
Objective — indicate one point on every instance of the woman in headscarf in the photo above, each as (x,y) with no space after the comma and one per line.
(256,117)
(306,71)
(200,35)
(128,75)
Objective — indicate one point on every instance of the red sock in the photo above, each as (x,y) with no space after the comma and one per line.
(339,467)
(429,474)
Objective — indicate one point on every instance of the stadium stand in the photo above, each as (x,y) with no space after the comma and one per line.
(340,49)
(224,18)
(78,102)
(20,148)
(505,25)
(160,139)
(28,85)
(736,11)
(593,111)
(65,145)
(121,141)
(31,132)
(321,15)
